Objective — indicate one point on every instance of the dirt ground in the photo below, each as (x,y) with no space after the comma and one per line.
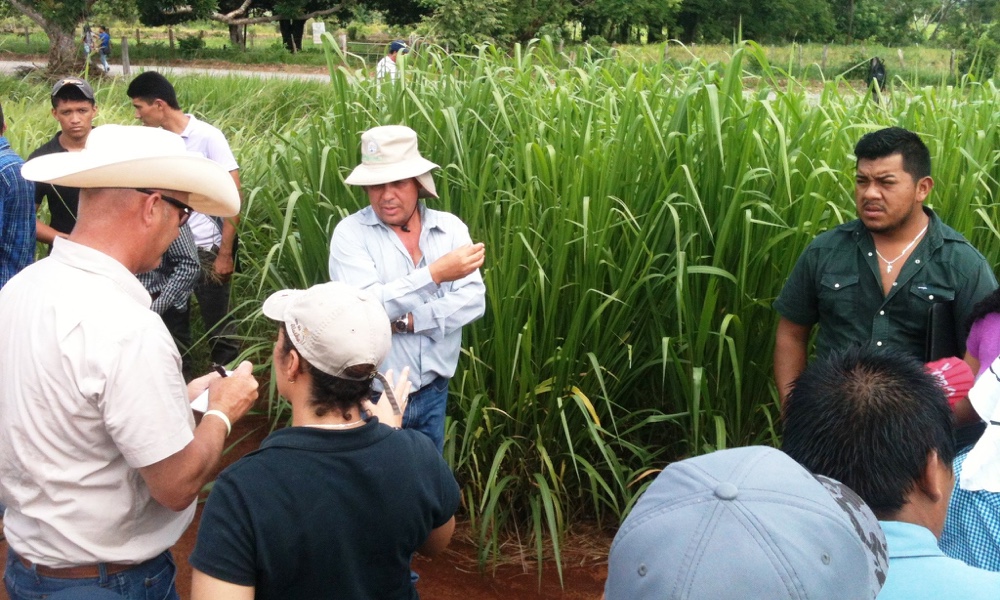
(454,574)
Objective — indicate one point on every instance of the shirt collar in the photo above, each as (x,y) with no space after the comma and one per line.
(936,234)
(429,219)
(94,261)
(190,124)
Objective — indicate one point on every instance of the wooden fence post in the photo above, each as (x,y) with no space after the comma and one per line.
(126,68)
(170,36)
(826,51)
(951,65)
(27,37)
(342,37)
(902,63)
(138,36)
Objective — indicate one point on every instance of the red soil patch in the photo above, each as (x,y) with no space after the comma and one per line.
(454,574)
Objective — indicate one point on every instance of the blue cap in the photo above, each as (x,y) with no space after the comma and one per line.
(398,45)
(748,523)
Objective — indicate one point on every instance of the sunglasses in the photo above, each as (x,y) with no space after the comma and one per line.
(184,208)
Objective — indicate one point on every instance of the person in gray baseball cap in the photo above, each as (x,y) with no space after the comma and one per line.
(74,108)
(747,523)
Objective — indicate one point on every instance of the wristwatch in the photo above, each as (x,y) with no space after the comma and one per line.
(400,325)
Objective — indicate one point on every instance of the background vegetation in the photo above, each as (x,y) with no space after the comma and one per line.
(971,26)
(639,217)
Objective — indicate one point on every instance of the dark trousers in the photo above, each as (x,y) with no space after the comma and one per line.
(213,301)
(178,322)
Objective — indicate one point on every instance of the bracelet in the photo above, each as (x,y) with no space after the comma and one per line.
(221,415)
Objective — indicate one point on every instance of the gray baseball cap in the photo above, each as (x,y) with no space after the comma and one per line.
(75,82)
(748,523)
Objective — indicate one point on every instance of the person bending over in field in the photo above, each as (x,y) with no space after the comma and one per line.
(334,505)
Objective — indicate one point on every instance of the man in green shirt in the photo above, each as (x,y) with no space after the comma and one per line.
(873,280)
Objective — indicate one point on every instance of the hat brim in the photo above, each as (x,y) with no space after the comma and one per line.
(419,168)
(276,305)
(212,189)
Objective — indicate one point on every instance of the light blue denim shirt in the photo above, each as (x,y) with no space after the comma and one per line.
(366,253)
(918,570)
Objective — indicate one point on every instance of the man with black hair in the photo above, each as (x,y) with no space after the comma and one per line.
(17,223)
(875,279)
(74,108)
(155,103)
(335,505)
(877,422)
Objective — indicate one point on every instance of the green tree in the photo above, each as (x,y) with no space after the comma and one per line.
(462,24)
(59,21)
(771,21)
(621,20)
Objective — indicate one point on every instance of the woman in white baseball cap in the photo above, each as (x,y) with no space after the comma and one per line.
(335,488)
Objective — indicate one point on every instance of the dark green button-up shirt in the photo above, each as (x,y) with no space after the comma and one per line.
(836,283)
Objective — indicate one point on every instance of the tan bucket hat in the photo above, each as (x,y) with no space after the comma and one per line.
(132,156)
(389,153)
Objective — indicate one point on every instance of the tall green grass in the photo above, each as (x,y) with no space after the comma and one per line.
(639,220)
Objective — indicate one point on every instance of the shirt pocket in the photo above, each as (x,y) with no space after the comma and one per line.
(932,294)
(838,295)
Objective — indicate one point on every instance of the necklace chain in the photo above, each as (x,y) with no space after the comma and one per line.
(336,425)
(889,263)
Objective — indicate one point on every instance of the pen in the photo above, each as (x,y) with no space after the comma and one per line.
(220,370)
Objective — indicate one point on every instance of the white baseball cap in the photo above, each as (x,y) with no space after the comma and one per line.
(334,326)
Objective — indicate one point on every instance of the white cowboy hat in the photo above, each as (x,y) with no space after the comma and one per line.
(123,156)
(389,153)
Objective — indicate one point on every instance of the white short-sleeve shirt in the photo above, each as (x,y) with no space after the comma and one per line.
(90,391)
(211,143)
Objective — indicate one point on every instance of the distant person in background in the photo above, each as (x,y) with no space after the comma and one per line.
(747,524)
(876,78)
(155,103)
(333,506)
(88,41)
(386,68)
(17,214)
(74,108)
(105,48)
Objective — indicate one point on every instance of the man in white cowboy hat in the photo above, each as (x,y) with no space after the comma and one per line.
(100,459)
(420,263)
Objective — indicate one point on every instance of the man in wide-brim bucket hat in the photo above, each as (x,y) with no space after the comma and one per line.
(420,263)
